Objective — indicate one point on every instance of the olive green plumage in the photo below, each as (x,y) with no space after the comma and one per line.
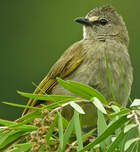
(105,43)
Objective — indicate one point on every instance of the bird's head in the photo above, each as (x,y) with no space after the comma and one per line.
(102,23)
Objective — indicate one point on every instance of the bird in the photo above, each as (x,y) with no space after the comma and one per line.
(100,60)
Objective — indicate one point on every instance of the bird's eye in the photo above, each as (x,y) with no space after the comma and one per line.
(103,21)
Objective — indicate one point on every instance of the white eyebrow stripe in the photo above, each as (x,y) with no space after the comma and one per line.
(94,18)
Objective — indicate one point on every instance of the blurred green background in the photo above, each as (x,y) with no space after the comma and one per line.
(34,33)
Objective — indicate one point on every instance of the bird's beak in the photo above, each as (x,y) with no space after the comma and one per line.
(84,21)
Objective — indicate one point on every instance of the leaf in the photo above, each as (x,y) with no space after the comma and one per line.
(115,108)
(77,107)
(22,147)
(132,133)
(65,122)
(130,142)
(129,126)
(116,142)
(9,137)
(101,126)
(35,113)
(6,122)
(42,148)
(57,104)
(138,112)
(138,146)
(60,131)
(46,97)
(3,136)
(82,90)
(98,104)
(85,136)
(136,102)
(21,106)
(25,127)
(68,132)
(78,130)
(22,124)
(124,111)
(101,123)
(110,129)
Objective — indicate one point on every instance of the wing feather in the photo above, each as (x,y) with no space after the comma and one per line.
(67,63)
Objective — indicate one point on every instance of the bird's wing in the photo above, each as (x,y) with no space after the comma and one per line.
(67,63)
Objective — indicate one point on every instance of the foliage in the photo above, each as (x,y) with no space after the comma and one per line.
(45,129)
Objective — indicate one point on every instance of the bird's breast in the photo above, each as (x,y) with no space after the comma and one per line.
(104,68)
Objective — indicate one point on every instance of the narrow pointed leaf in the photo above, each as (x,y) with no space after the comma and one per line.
(21,147)
(136,102)
(6,122)
(47,97)
(120,113)
(78,130)
(129,126)
(21,106)
(101,126)
(99,105)
(116,142)
(60,131)
(130,142)
(68,132)
(110,129)
(82,90)
(10,137)
(77,107)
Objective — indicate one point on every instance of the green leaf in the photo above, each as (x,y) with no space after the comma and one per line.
(98,104)
(110,129)
(85,136)
(21,125)
(22,147)
(82,90)
(132,133)
(65,122)
(60,131)
(6,122)
(129,126)
(138,146)
(115,108)
(116,142)
(68,132)
(57,104)
(9,137)
(124,111)
(136,102)
(46,97)
(101,126)
(77,107)
(25,127)
(78,130)
(3,136)
(138,112)
(130,142)
(35,113)
(42,148)
(21,106)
